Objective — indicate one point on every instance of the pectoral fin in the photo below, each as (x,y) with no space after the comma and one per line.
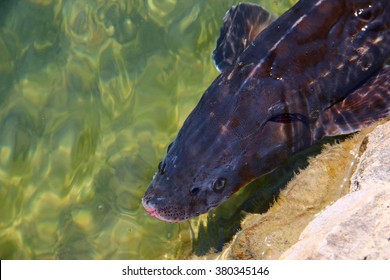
(289,118)
(241,25)
(364,106)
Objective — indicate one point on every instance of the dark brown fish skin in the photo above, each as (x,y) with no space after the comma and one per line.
(276,98)
(344,117)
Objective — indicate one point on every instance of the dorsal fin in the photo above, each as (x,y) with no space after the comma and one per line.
(241,25)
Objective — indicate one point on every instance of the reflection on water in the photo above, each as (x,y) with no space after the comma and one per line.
(91,93)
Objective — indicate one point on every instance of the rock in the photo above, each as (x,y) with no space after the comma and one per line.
(357,226)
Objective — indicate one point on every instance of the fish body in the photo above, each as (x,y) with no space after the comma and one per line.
(318,70)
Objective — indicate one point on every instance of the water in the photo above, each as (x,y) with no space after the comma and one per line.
(91,94)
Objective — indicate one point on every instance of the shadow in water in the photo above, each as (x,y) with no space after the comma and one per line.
(5,7)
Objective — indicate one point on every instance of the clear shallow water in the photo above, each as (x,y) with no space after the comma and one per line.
(91,94)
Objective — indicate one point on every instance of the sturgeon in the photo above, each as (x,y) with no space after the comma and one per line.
(318,70)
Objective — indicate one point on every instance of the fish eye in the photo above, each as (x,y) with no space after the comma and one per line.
(365,15)
(169,147)
(194,190)
(219,184)
(162,167)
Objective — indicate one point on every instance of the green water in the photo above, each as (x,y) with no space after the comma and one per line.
(91,93)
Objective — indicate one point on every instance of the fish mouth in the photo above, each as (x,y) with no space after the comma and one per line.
(166,214)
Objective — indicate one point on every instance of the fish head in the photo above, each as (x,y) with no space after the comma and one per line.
(226,142)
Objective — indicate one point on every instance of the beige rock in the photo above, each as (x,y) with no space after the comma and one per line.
(357,226)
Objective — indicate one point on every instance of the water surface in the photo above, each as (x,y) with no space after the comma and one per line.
(91,94)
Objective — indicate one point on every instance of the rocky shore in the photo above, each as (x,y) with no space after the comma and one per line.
(336,208)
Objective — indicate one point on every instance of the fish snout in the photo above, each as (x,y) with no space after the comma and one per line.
(160,207)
